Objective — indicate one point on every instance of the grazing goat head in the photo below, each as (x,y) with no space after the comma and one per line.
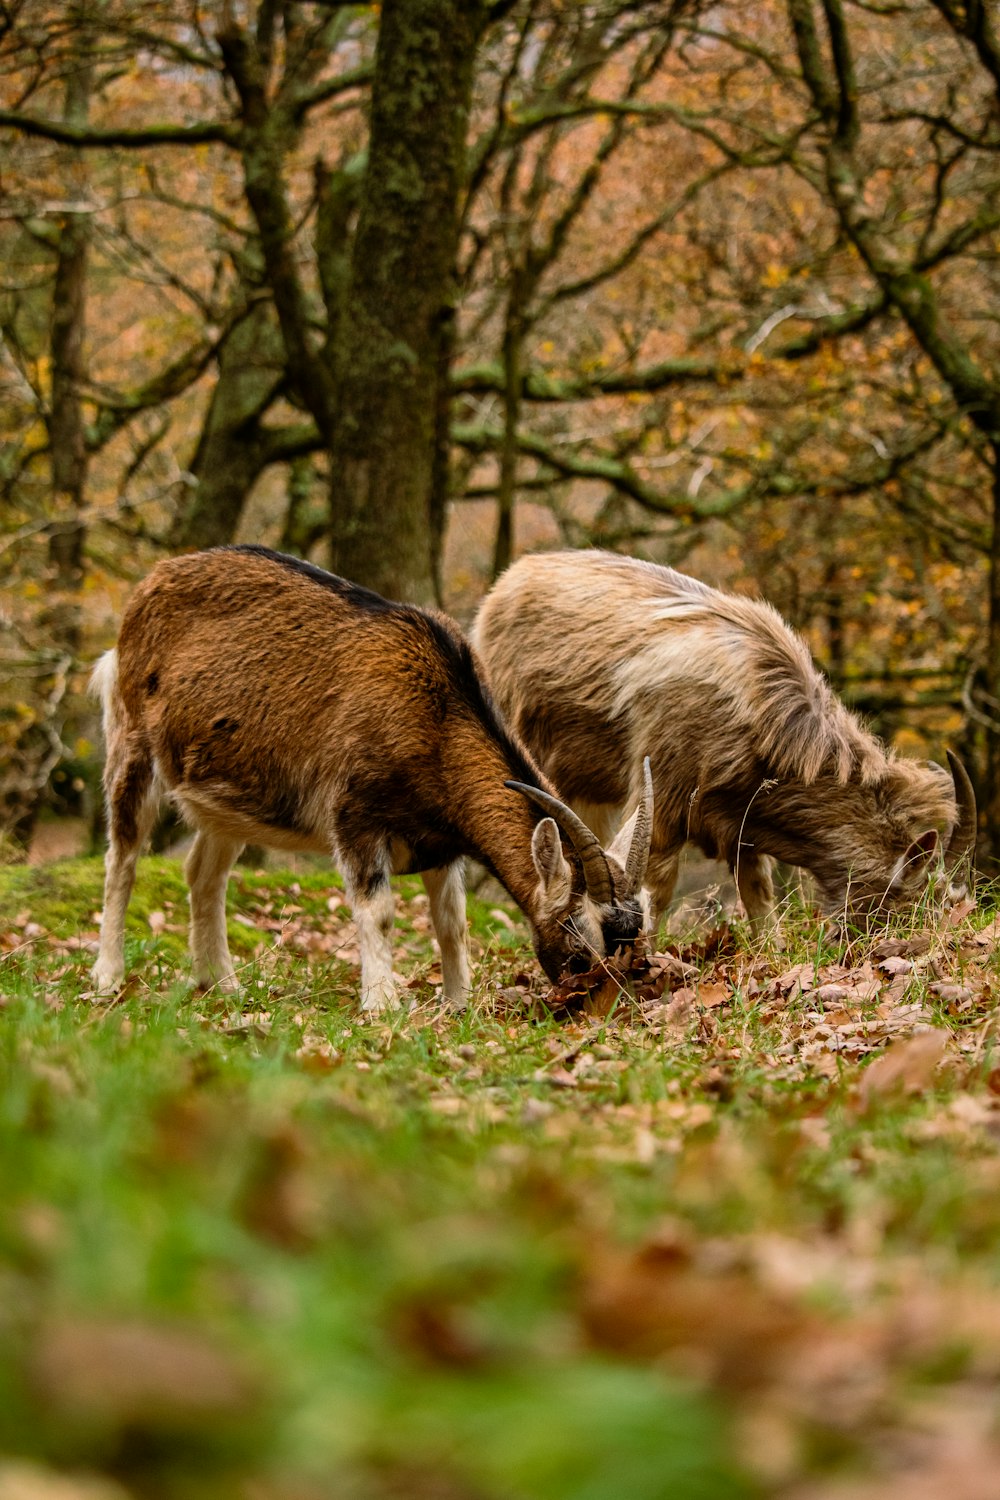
(595,658)
(571,934)
(277,704)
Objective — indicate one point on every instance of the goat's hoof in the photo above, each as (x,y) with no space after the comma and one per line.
(107,979)
(224,984)
(377,1004)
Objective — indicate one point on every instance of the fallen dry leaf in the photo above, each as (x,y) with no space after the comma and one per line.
(911,947)
(653,1301)
(438,1332)
(796,981)
(907,1067)
(280,1201)
(142,1373)
(21,1480)
(958,1476)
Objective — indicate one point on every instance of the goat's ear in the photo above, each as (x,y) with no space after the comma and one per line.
(550,862)
(622,841)
(918,856)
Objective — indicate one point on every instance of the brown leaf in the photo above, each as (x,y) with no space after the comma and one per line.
(447,1104)
(797,981)
(599,988)
(906,1067)
(952,993)
(901,947)
(721,940)
(646,1303)
(316,1054)
(438,1333)
(682,1000)
(21,1480)
(895,963)
(560,1078)
(713,995)
(832,994)
(257,1023)
(602,1000)
(280,1202)
(138,1373)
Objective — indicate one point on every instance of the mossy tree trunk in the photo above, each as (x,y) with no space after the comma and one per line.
(400,298)
(40,746)
(989,844)
(231,447)
(67,438)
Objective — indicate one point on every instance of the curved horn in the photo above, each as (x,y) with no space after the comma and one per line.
(595,866)
(963,835)
(642,834)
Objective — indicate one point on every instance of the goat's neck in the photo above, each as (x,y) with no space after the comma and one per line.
(499,834)
(496,823)
(815,826)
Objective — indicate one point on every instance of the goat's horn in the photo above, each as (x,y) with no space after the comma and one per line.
(963,835)
(595,865)
(642,834)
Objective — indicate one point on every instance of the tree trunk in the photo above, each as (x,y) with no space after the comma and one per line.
(988,852)
(67,441)
(386,450)
(503,547)
(305,518)
(228,459)
(39,747)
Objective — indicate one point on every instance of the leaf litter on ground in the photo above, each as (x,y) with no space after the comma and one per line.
(770,1176)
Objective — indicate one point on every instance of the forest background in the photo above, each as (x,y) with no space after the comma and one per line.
(406,288)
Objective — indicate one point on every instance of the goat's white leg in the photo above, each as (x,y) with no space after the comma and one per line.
(373,905)
(446,889)
(132,800)
(207,870)
(661,877)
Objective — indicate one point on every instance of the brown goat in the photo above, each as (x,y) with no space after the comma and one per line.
(277,704)
(592,655)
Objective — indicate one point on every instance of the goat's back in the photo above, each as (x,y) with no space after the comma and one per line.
(627,653)
(263,683)
(278,640)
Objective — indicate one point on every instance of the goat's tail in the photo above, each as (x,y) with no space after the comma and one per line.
(104,687)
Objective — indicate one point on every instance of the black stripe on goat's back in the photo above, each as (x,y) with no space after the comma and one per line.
(469,683)
(452,647)
(353,593)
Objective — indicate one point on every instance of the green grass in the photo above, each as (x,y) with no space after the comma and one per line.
(262,1247)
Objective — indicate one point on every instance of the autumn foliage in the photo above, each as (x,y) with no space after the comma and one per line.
(716,293)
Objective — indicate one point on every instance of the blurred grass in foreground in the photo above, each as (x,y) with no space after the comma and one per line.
(261,1248)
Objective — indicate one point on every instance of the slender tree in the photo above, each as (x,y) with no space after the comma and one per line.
(394,330)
